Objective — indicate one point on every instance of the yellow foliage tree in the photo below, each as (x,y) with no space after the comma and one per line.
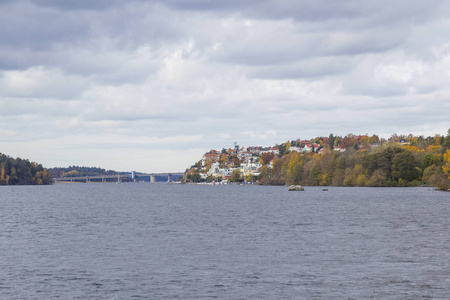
(433,149)
(446,166)
(288,145)
(412,148)
(351,175)
(3,175)
(223,158)
(437,139)
(296,159)
(208,165)
(38,178)
(361,180)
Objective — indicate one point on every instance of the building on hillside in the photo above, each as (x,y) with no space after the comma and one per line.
(307,148)
(251,166)
(404,141)
(255,150)
(295,149)
(210,157)
(216,171)
(244,155)
(270,150)
(322,150)
(340,149)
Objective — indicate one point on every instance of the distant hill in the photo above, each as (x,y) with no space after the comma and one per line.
(75,171)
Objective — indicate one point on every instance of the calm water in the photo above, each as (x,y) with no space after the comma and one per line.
(168,241)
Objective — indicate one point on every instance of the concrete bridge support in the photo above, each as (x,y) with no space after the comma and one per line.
(152,178)
(169,178)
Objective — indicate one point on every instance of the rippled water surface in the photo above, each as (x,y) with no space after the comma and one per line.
(170,241)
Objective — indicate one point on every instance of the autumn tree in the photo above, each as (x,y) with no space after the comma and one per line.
(331,139)
(405,167)
(73,173)
(3,177)
(352,175)
(295,168)
(446,166)
(267,157)
(377,179)
(282,149)
(235,160)
(327,163)
(223,158)
(436,177)
(235,176)
(314,176)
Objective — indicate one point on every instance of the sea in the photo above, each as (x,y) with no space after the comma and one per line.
(176,241)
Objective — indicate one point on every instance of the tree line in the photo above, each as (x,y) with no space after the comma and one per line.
(366,161)
(76,171)
(17,171)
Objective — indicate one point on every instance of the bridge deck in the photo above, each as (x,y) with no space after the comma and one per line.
(104,177)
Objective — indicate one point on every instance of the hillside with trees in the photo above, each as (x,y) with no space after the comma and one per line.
(400,161)
(340,161)
(17,171)
(76,171)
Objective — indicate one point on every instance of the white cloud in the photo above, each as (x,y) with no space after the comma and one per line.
(403,72)
(40,82)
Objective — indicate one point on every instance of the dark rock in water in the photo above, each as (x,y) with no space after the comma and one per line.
(296,188)
(325,190)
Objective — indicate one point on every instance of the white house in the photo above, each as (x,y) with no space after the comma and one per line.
(270,150)
(244,155)
(215,171)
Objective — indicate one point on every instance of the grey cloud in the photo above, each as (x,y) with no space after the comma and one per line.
(79,4)
(27,27)
(89,42)
(312,68)
(268,9)
(374,13)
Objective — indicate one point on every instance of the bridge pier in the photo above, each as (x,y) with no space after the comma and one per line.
(152,178)
(169,178)
(103,179)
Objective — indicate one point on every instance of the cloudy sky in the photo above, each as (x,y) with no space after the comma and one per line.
(151,85)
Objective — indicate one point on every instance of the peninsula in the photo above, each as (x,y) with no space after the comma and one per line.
(352,160)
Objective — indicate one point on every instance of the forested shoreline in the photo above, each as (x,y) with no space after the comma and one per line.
(18,171)
(400,161)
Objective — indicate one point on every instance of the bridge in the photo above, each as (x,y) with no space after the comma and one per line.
(117,178)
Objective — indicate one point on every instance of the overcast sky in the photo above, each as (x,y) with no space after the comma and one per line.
(151,85)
